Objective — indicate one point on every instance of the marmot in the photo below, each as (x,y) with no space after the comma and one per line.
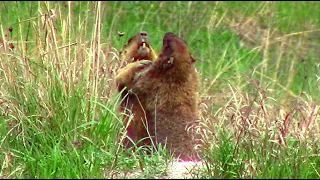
(137,48)
(169,89)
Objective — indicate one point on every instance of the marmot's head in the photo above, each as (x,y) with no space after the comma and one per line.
(175,52)
(138,48)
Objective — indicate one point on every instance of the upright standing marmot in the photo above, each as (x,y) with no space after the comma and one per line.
(137,48)
(169,90)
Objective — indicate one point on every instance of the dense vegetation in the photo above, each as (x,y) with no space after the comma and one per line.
(260,86)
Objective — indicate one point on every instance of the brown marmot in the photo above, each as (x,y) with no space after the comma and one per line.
(137,48)
(169,89)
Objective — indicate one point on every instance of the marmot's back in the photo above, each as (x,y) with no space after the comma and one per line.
(170,89)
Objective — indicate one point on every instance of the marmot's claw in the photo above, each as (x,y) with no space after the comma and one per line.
(144,63)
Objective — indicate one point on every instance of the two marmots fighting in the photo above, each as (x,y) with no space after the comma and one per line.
(161,92)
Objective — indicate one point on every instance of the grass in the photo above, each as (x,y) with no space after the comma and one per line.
(259,87)
(253,138)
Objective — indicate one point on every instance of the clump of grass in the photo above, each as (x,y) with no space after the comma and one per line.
(58,104)
(255,136)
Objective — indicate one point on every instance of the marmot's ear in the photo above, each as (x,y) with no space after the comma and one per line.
(192,59)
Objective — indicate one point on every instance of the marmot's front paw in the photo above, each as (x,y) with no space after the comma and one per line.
(125,77)
(143,64)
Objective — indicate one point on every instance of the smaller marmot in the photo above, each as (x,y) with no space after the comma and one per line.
(138,48)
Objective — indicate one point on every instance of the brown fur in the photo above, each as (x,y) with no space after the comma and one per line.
(134,51)
(169,89)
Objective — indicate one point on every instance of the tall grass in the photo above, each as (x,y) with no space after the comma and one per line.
(259,87)
(58,103)
(253,136)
